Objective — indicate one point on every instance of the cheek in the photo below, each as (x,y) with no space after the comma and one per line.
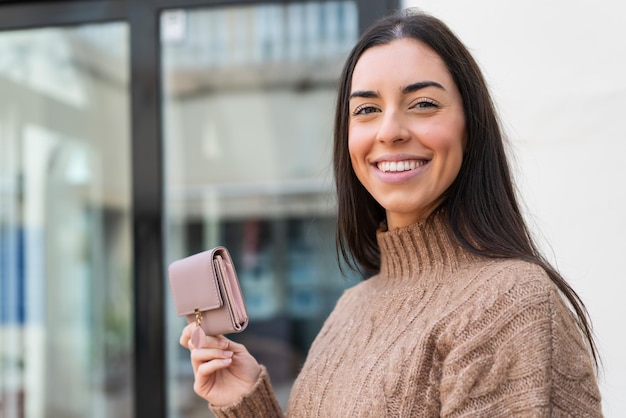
(452,151)
(448,145)
(456,149)
(357,145)
(446,139)
(358,148)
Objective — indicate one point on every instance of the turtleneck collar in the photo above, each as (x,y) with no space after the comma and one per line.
(425,247)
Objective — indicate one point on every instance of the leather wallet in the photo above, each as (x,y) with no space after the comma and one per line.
(206,291)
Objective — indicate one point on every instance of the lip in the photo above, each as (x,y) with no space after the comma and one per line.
(399,176)
(398,157)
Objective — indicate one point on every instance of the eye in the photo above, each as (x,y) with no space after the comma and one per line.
(425,103)
(365,110)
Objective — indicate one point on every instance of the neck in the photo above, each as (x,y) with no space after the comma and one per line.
(424,247)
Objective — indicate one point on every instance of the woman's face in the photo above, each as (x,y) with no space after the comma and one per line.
(407,130)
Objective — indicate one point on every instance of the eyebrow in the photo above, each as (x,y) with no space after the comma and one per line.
(421,85)
(411,88)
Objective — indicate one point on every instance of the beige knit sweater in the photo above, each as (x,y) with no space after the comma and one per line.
(441,332)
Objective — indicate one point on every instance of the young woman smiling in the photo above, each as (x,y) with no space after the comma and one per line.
(459,315)
(406,132)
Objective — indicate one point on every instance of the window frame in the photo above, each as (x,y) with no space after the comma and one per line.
(150,382)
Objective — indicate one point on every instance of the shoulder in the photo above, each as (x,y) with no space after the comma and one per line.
(513,343)
(500,300)
(512,277)
(514,329)
(512,270)
(514,301)
(497,293)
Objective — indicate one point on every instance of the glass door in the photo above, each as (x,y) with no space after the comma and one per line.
(248,101)
(65,234)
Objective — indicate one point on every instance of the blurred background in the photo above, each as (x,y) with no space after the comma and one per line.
(135,133)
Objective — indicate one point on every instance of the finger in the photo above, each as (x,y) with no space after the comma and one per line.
(214,341)
(186,335)
(204,376)
(185,339)
(208,368)
(206,355)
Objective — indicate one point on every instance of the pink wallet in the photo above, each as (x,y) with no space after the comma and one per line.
(206,291)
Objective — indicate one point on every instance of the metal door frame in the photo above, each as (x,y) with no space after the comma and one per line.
(150,380)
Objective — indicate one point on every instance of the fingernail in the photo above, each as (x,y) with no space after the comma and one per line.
(227,360)
(228,353)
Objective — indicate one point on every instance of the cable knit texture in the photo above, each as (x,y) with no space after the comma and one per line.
(441,332)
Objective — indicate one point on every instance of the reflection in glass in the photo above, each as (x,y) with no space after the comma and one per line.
(247,113)
(65,252)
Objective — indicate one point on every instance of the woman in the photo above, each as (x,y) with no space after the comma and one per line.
(461,315)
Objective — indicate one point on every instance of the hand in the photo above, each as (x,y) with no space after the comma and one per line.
(224,371)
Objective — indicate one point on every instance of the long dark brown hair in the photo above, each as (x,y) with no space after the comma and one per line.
(481,203)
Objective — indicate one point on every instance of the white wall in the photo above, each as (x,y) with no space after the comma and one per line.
(557,71)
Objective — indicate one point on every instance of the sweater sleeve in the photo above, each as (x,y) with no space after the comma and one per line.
(518,352)
(261,402)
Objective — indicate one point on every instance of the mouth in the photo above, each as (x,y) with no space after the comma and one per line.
(399,166)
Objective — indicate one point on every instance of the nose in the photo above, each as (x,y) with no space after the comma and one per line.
(392,128)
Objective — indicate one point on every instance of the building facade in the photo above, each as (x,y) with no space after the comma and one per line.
(134,133)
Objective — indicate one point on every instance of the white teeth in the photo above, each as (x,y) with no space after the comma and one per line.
(397,166)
